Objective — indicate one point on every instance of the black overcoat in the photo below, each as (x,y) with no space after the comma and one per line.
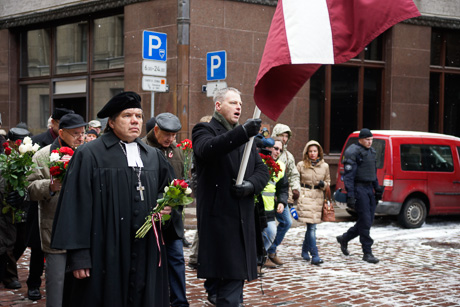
(226,225)
(99,211)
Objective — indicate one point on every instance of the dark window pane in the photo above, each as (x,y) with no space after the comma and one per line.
(344,105)
(35,53)
(437,158)
(433,125)
(452,104)
(411,157)
(374,51)
(453,49)
(436,46)
(372,98)
(108,43)
(72,48)
(317,99)
(35,109)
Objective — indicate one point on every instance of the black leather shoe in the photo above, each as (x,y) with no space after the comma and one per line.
(212,298)
(317,261)
(343,245)
(13,285)
(193,266)
(34,294)
(186,243)
(370,258)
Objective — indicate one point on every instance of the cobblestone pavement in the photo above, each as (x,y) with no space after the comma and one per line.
(418,267)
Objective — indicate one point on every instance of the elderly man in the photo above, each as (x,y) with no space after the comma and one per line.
(163,137)
(225,211)
(121,178)
(95,125)
(45,190)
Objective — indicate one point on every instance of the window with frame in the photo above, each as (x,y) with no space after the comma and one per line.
(444,109)
(347,97)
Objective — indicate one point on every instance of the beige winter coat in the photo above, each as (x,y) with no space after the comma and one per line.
(310,203)
(39,190)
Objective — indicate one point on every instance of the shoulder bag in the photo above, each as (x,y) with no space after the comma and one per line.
(328,207)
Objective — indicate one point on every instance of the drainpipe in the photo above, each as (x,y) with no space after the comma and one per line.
(183,62)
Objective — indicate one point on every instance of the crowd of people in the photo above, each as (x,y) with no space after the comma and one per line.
(93,255)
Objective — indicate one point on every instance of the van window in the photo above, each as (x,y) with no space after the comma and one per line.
(377,144)
(426,158)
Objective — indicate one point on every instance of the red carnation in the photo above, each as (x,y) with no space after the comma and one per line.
(7,151)
(18,142)
(65,164)
(5,145)
(55,151)
(66,151)
(55,171)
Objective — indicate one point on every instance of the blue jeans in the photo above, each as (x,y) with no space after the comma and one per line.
(309,243)
(176,272)
(269,234)
(284,223)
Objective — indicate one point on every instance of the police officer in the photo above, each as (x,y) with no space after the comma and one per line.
(363,192)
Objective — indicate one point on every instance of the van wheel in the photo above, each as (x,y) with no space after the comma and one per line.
(413,213)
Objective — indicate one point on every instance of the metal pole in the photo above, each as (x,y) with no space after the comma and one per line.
(152,105)
(247,151)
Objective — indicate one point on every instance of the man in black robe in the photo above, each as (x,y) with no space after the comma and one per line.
(111,185)
(225,211)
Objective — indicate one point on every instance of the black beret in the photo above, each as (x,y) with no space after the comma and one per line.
(168,122)
(120,102)
(150,124)
(60,112)
(365,133)
(17,134)
(70,121)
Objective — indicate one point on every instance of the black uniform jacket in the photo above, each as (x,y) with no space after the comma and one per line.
(98,214)
(226,226)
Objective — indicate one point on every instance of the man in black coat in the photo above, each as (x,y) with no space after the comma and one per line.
(225,211)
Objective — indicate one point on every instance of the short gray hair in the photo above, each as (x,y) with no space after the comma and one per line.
(220,94)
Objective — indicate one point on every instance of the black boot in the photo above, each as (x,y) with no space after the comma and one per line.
(343,245)
(370,258)
(186,243)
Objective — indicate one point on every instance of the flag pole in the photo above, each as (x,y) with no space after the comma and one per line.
(247,151)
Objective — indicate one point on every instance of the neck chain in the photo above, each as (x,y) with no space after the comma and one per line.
(137,170)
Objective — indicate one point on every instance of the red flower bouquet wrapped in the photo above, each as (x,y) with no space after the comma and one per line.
(186,146)
(59,159)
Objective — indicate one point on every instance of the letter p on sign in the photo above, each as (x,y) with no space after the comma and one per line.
(216,65)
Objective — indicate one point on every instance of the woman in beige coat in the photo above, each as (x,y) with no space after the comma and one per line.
(314,178)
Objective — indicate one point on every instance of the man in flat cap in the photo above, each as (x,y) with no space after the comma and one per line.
(163,137)
(363,191)
(121,177)
(45,190)
(95,125)
(36,263)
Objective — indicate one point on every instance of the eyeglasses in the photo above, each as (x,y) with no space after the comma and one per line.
(277,148)
(76,136)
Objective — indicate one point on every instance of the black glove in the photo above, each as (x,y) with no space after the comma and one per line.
(252,126)
(351,202)
(321,184)
(295,194)
(246,188)
(14,199)
(379,193)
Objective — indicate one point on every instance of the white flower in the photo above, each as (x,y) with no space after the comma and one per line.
(35,147)
(29,147)
(27,140)
(188,191)
(22,149)
(54,157)
(166,189)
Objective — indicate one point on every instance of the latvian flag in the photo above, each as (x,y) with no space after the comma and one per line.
(307,33)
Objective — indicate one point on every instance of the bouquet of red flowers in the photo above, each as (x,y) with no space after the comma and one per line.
(176,194)
(16,165)
(59,159)
(186,146)
(273,167)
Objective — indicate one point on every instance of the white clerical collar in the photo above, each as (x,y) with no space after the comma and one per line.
(133,154)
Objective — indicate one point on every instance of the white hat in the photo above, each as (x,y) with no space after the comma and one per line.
(94,123)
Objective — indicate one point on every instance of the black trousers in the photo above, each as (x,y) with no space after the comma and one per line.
(229,291)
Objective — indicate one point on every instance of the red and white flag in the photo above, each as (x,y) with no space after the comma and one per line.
(307,33)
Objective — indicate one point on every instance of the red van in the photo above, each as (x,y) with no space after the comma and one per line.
(419,170)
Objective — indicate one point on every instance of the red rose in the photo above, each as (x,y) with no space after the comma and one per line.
(5,145)
(7,151)
(55,151)
(55,170)
(183,184)
(179,145)
(65,164)
(18,142)
(66,151)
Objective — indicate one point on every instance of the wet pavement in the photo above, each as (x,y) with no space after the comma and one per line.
(418,267)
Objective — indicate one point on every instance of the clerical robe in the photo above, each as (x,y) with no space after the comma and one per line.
(99,211)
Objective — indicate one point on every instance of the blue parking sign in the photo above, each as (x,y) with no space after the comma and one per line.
(154,46)
(216,65)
